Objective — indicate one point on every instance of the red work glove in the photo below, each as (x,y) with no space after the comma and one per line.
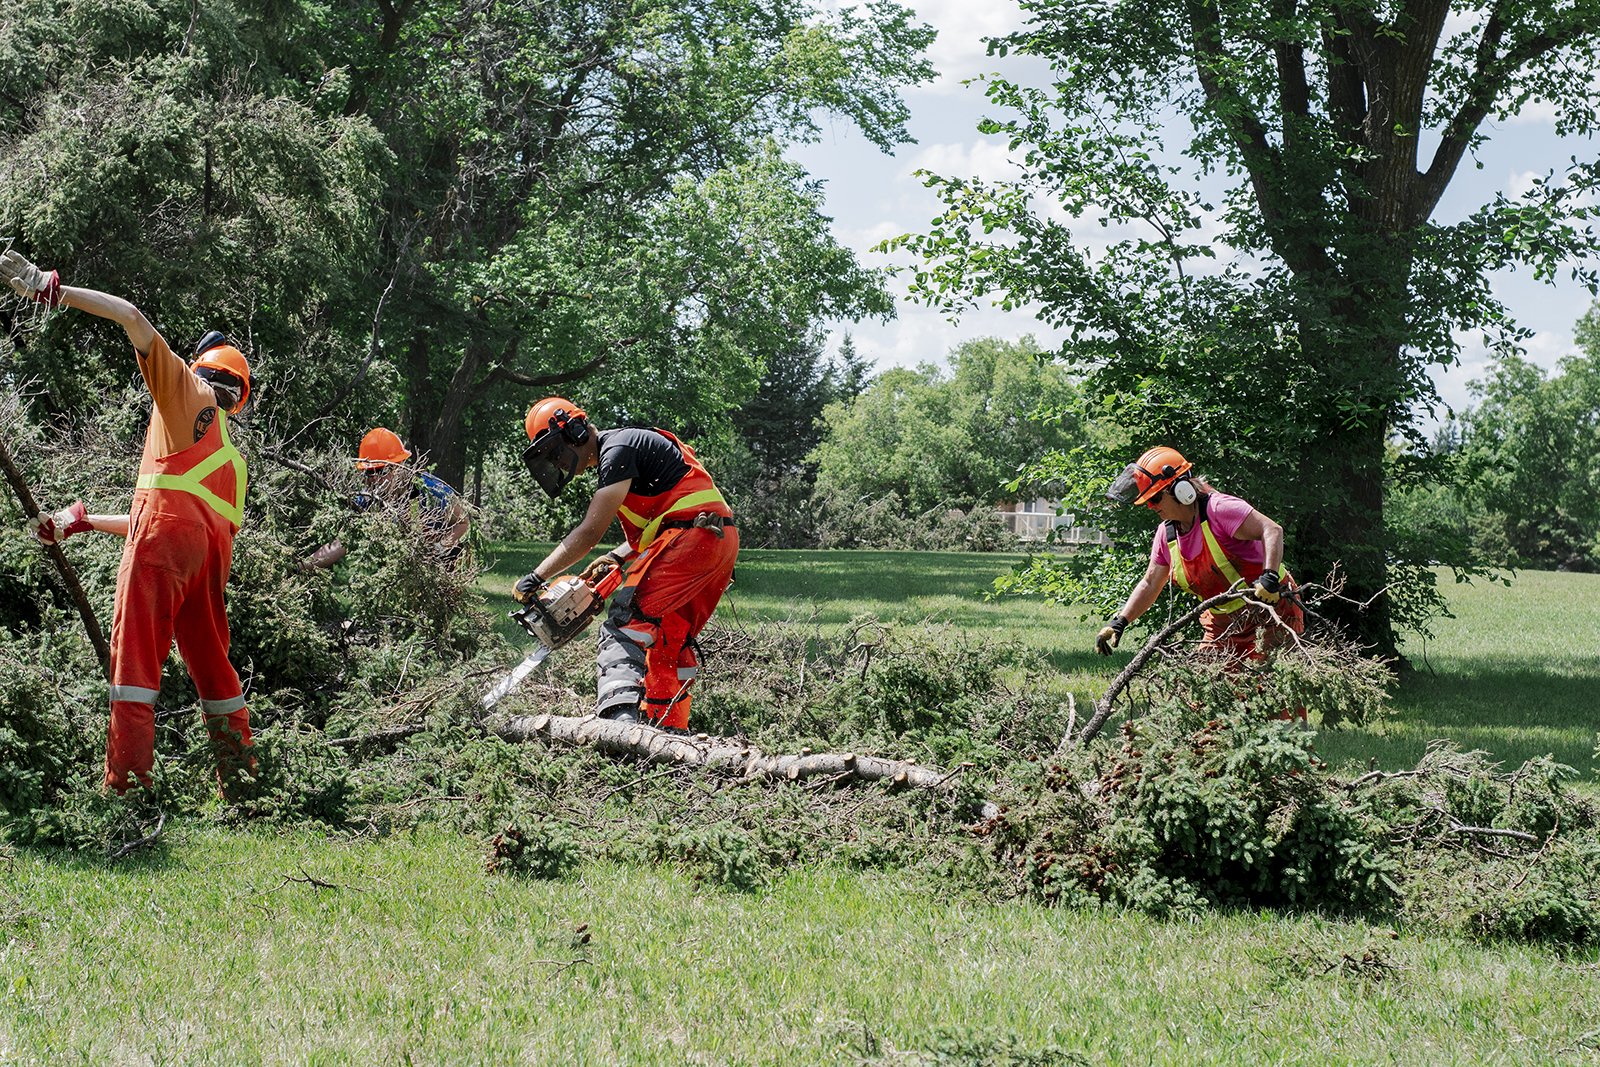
(29,281)
(58,526)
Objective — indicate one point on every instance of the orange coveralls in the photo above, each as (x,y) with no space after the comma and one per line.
(186,510)
(672,587)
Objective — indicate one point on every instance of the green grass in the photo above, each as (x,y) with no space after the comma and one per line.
(206,954)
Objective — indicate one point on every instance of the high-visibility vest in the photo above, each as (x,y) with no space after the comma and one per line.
(211,472)
(642,516)
(1211,572)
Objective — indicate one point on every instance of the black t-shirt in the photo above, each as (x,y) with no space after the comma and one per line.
(654,463)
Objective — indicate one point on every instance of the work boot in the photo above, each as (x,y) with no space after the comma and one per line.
(624,713)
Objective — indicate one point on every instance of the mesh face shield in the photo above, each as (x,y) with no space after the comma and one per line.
(551,461)
(1127,486)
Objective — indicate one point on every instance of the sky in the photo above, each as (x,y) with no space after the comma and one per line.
(873,195)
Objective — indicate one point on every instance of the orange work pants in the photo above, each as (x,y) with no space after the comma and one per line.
(645,658)
(170,584)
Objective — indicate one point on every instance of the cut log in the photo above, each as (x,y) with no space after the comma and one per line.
(719,753)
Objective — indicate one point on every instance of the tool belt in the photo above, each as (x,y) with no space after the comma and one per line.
(703,521)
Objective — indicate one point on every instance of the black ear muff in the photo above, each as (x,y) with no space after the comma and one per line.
(575,429)
(212,339)
(1183,491)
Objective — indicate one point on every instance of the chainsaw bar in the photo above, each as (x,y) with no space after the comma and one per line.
(516,677)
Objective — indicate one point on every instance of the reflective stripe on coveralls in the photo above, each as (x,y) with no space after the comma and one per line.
(170,584)
(193,479)
(648,528)
(642,516)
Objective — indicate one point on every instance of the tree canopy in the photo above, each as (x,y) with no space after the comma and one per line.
(947,438)
(1286,334)
(428,214)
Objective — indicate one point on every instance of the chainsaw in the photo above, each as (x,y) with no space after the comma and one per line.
(560,612)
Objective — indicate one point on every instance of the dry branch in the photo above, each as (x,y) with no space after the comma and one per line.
(69,575)
(1104,706)
(720,753)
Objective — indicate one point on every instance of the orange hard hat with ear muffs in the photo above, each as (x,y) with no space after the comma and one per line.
(381,448)
(1159,468)
(555,426)
(216,360)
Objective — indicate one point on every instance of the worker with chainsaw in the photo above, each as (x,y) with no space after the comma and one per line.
(381,459)
(1207,543)
(187,507)
(678,556)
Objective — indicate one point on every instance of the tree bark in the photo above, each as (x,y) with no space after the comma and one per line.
(702,750)
(69,575)
(719,753)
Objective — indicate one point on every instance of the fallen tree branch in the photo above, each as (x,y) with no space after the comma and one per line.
(69,576)
(720,753)
(1104,706)
(146,841)
(1491,831)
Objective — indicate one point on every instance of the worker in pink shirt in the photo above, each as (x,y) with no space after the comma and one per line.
(1208,543)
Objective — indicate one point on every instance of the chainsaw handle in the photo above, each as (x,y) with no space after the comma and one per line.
(611,582)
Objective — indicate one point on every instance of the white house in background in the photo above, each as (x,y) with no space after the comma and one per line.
(1032,520)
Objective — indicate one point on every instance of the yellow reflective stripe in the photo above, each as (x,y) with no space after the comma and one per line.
(653,526)
(190,481)
(1220,558)
(1175,561)
(1224,566)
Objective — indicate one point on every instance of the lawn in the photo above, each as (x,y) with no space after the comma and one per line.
(253,947)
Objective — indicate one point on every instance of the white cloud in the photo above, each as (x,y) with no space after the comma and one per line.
(1521,183)
(1544,349)
(988,159)
(960,51)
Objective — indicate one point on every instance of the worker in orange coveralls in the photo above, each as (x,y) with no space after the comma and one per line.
(680,550)
(186,509)
(1207,543)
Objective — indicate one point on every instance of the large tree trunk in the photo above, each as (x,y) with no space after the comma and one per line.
(448,442)
(1349,534)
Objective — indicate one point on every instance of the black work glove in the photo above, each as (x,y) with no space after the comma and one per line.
(1110,635)
(526,591)
(1266,588)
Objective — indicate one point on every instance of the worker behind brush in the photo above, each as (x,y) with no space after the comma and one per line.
(679,555)
(187,507)
(382,460)
(1207,543)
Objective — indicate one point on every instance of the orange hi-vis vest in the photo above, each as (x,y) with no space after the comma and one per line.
(1211,572)
(205,482)
(642,516)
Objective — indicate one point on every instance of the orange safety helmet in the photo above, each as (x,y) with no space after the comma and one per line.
(214,354)
(555,427)
(1159,468)
(554,413)
(381,448)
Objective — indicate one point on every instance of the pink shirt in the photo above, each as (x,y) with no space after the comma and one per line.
(1225,513)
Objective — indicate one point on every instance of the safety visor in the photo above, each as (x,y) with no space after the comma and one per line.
(551,461)
(226,379)
(1130,484)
